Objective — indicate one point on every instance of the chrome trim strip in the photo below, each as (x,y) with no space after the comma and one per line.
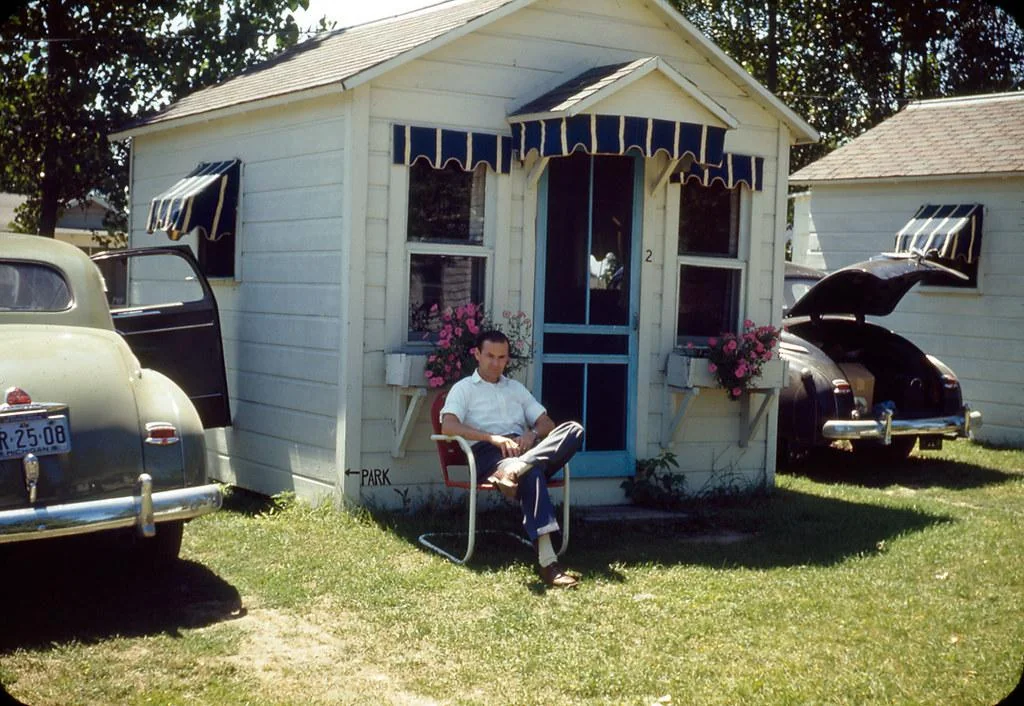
(96,515)
(886,428)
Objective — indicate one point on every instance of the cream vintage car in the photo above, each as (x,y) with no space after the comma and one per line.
(94,433)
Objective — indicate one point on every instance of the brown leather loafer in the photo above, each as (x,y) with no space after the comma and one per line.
(554,575)
(506,481)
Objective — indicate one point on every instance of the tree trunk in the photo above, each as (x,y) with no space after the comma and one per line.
(56,70)
(773,45)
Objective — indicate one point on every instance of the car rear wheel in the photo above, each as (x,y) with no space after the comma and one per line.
(162,549)
(895,452)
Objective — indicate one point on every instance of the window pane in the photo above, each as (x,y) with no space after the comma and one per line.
(446,205)
(446,281)
(565,283)
(708,302)
(610,240)
(709,218)
(607,392)
(26,286)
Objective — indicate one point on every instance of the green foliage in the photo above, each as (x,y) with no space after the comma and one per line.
(656,483)
(73,72)
(847,66)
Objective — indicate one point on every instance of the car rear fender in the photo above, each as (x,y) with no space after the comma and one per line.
(180,460)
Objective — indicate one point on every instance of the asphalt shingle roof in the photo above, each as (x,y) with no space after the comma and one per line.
(579,88)
(945,136)
(329,58)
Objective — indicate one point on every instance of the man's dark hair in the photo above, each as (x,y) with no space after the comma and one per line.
(492,335)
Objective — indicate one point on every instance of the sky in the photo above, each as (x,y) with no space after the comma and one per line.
(350,12)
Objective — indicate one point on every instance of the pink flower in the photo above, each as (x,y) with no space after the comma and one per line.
(741,371)
(472,351)
(436,382)
(473,328)
(712,368)
(747,323)
(730,346)
(736,392)
(690,344)
(433,308)
(712,341)
(447,368)
(443,343)
(506,313)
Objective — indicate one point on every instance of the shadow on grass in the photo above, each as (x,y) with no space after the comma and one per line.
(785,528)
(840,466)
(85,589)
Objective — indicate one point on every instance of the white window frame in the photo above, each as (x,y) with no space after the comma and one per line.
(740,263)
(399,267)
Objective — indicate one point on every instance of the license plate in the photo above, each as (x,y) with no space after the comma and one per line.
(930,443)
(43,435)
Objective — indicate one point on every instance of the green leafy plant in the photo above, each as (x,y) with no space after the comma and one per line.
(657,482)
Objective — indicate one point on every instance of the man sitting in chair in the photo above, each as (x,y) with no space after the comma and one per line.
(517,446)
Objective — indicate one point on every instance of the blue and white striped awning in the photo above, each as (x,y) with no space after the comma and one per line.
(618,134)
(206,199)
(734,170)
(439,146)
(950,232)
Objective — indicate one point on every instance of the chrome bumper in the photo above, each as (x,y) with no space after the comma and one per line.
(886,427)
(143,511)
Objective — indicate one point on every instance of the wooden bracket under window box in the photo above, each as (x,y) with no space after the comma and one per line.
(686,376)
(403,372)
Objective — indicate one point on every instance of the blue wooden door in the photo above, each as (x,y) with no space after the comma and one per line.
(587,290)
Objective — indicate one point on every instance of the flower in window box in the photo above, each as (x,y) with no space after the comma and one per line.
(453,356)
(735,359)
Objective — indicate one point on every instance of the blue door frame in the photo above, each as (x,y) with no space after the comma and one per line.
(594,463)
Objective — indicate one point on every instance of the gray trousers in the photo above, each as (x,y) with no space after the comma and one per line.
(546,459)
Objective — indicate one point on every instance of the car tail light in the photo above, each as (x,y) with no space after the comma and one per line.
(950,382)
(161,434)
(841,387)
(15,395)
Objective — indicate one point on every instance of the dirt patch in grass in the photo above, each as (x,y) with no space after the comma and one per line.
(315,656)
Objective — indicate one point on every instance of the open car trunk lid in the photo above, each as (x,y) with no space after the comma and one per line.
(870,288)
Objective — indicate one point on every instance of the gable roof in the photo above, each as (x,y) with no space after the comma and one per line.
(979,135)
(581,92)
(345,58)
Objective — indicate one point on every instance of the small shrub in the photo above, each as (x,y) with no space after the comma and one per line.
(657,483)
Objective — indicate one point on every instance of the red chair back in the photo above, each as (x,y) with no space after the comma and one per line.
(448,452)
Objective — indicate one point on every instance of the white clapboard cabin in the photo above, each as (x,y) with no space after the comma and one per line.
(485,151)
(944,177)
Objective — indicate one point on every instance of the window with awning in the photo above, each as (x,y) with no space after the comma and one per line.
(205,201)
(949,234)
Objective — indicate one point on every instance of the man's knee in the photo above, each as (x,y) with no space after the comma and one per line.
(572,430)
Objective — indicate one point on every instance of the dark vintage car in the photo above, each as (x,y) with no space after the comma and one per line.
(94,433)
(854,380)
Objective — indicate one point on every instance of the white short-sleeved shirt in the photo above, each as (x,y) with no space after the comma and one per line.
(503,407)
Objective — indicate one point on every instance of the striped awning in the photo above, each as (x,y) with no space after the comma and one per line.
(734,170)
(439,146)
(947,232)
(206,199)
(618,134)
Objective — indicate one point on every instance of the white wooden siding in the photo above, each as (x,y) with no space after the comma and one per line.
(281,322)
(979,333)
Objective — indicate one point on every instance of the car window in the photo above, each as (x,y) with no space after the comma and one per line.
(29,286)
(796,288)
(152,279)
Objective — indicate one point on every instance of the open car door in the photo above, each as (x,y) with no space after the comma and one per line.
(165,309)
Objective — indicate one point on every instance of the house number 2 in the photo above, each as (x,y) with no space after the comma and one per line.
(648,255)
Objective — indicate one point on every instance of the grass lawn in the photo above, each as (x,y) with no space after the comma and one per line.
(844,586)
